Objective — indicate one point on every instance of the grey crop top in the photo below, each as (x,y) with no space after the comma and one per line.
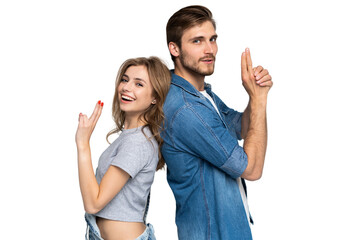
(138,156)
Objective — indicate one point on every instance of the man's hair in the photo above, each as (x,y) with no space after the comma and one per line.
(184,19)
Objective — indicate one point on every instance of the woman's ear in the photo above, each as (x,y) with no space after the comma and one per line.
(174,49)
(153,101)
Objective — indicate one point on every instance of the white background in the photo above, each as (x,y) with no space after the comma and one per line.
(58,58)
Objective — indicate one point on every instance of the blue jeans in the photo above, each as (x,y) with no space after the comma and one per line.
(93,232)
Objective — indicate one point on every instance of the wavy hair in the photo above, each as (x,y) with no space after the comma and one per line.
(160,78)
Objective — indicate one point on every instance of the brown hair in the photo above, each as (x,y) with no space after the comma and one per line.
(186,18)
(160,79)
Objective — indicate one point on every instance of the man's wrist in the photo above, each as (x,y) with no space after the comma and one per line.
(256,103)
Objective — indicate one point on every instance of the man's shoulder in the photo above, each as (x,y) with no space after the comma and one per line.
(174,98)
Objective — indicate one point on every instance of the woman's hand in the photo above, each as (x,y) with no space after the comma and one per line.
(87,125)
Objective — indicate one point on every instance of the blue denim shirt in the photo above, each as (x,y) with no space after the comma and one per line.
(203,161)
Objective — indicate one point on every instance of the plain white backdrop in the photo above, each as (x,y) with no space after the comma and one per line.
(58,58)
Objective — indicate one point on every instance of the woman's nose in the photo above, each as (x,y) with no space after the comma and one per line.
(126,87)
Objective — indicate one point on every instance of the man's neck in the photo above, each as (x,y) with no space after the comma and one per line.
(197,80)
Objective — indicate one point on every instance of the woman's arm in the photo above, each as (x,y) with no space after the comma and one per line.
(95,196)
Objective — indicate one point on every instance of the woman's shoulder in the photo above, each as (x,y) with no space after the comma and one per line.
(138,138)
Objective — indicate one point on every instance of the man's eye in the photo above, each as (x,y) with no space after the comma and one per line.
(213,40)
(196,41)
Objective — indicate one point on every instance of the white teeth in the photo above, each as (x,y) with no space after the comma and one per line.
(127,98)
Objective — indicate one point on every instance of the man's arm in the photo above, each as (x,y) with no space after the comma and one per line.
(254,127)
(262,79)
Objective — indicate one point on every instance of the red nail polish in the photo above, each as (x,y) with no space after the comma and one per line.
(102,104)
(99,102)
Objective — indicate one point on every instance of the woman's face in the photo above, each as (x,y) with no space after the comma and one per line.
(135,91)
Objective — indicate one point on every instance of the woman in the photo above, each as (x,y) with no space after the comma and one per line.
(116,198)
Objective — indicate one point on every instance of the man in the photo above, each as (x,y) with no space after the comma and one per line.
(201,134)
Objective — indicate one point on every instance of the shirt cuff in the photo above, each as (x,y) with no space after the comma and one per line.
(236,163)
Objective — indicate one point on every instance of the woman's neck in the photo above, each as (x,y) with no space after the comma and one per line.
(133,122)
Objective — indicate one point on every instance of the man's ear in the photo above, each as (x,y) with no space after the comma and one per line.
(174,49)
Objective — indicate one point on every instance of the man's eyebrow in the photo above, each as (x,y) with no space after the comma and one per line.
(202,37)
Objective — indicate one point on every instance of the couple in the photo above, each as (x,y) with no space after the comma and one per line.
(199,137)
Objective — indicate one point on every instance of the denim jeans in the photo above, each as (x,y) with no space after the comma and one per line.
(93,232)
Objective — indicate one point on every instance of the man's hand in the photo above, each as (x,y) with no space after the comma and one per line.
(256,81)
(262,77)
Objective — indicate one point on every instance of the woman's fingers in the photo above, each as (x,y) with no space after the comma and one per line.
(86,122)
(95,112)
(99,111)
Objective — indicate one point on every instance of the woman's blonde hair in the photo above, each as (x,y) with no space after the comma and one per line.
(160,78)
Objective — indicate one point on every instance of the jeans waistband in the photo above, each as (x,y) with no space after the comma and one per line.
(93,232)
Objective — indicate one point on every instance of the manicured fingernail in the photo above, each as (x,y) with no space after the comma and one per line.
(102,104)
(99,102)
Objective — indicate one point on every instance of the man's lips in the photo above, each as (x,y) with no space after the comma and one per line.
(207,59)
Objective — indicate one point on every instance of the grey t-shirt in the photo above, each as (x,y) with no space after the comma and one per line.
(138,156)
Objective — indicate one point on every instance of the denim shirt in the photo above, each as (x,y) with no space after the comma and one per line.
(203,161)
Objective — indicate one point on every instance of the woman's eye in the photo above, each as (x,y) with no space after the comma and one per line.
(123,80)
(139,85)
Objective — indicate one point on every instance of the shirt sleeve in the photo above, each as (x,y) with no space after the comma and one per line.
(205,136)
(231,116)
(130,157)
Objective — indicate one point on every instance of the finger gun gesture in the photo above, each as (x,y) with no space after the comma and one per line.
(87,125)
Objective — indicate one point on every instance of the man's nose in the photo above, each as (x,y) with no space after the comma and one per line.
(209,48)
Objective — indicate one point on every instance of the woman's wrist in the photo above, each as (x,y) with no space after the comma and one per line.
(84,146)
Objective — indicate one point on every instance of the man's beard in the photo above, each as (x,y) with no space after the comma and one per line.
(194,66)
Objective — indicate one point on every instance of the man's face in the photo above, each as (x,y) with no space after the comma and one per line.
(198,49)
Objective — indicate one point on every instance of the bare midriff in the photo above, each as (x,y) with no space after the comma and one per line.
(117,230)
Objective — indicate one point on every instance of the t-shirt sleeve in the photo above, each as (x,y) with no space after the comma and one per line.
(130,157)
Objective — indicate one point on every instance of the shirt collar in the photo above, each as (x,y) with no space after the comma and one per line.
(187,86)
